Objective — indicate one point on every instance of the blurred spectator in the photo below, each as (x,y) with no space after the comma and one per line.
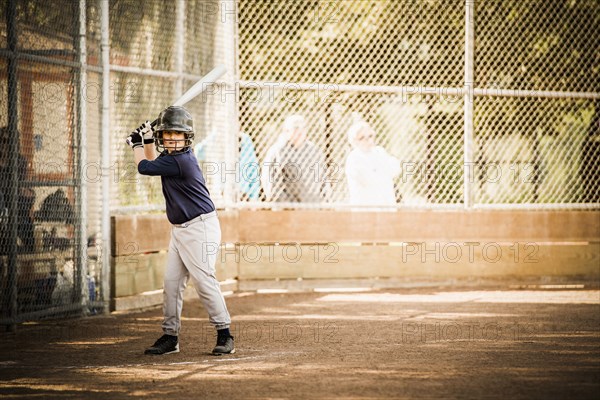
(248,165)
(370,170)
(211,170)
(291,171)
(248,178)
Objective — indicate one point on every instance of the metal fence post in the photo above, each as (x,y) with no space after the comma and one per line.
(105,157)
(230,19)
(180,43)
(81,243)
(13,187)
(469,86)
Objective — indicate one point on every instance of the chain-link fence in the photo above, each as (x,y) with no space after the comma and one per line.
(542,137)
(326,104)
(156,55)
(510,123)
(403,66)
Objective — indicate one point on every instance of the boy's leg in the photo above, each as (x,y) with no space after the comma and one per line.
(198,246)
(175,281)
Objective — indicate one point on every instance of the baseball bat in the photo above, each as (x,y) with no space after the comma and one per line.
(198,87)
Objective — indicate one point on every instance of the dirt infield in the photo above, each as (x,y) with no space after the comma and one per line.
(418,343)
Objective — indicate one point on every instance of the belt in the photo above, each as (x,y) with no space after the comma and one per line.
(200,217)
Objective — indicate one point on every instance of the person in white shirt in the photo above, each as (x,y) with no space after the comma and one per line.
(370,169)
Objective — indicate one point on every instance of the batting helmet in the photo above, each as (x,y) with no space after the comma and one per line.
(176,119)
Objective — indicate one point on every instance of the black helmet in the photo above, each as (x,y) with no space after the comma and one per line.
(174,118)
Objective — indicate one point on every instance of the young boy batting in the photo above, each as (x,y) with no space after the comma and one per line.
(195,232)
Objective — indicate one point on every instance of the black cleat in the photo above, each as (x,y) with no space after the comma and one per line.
(224,345)
(166,344)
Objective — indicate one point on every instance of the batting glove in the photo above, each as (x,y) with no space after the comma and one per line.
(135,140)
(147,132)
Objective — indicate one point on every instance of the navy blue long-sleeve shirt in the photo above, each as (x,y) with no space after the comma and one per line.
(183,185)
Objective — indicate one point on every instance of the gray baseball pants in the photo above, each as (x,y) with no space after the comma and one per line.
(192,254)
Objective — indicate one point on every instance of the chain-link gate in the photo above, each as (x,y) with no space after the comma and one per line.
(66,65)
(43,243)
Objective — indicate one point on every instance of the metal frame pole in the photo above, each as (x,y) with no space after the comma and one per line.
(229,17)
(180,43)
(82,155)
(13,152)
(469,175)
(105,158)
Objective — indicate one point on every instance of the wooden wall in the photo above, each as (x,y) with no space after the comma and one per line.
(260,246)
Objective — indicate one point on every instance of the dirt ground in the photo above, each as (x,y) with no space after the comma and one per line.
(409,343)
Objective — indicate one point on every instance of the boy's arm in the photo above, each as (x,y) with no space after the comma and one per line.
(149,151)
(136,141)
(139,154)
(161,166)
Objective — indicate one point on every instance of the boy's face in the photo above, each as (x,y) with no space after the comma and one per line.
(173,141)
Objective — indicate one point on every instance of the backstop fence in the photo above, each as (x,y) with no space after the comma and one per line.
(477,104)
